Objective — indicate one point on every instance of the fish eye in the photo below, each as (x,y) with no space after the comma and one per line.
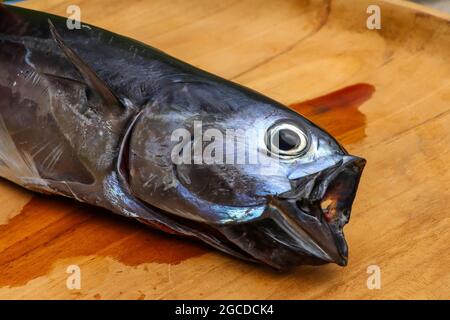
(286,140)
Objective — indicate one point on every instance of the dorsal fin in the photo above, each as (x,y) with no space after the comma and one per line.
(93,81)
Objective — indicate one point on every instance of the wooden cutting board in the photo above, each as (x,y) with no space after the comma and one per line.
(396,114)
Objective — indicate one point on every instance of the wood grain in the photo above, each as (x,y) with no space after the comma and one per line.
(290,50)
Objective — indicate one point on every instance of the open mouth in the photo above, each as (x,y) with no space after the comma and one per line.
(337,202)
(340,193)
(320,207)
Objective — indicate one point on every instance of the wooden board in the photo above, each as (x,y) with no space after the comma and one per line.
(291,50)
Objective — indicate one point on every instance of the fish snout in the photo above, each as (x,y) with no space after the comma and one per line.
(314,213)
(340,190)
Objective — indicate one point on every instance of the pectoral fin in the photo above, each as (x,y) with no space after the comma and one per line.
(97,85)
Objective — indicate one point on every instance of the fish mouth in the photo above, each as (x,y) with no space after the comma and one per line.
(314,213)
(303,226)
(300,227)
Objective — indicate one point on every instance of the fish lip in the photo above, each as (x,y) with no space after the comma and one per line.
(338,183)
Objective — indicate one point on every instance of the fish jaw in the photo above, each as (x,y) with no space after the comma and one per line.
(301,227)
(321,213)
(304,226)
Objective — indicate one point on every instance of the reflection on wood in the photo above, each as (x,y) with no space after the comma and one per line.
(338,112)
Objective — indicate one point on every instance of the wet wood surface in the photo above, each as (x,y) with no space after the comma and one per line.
(384,93)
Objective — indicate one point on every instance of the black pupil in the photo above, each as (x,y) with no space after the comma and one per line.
(286,139)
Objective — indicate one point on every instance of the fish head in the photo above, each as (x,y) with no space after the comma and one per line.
(270,185)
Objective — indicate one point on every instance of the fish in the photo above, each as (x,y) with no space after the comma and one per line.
(115,123)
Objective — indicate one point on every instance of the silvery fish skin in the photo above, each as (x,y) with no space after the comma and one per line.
(90,115)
